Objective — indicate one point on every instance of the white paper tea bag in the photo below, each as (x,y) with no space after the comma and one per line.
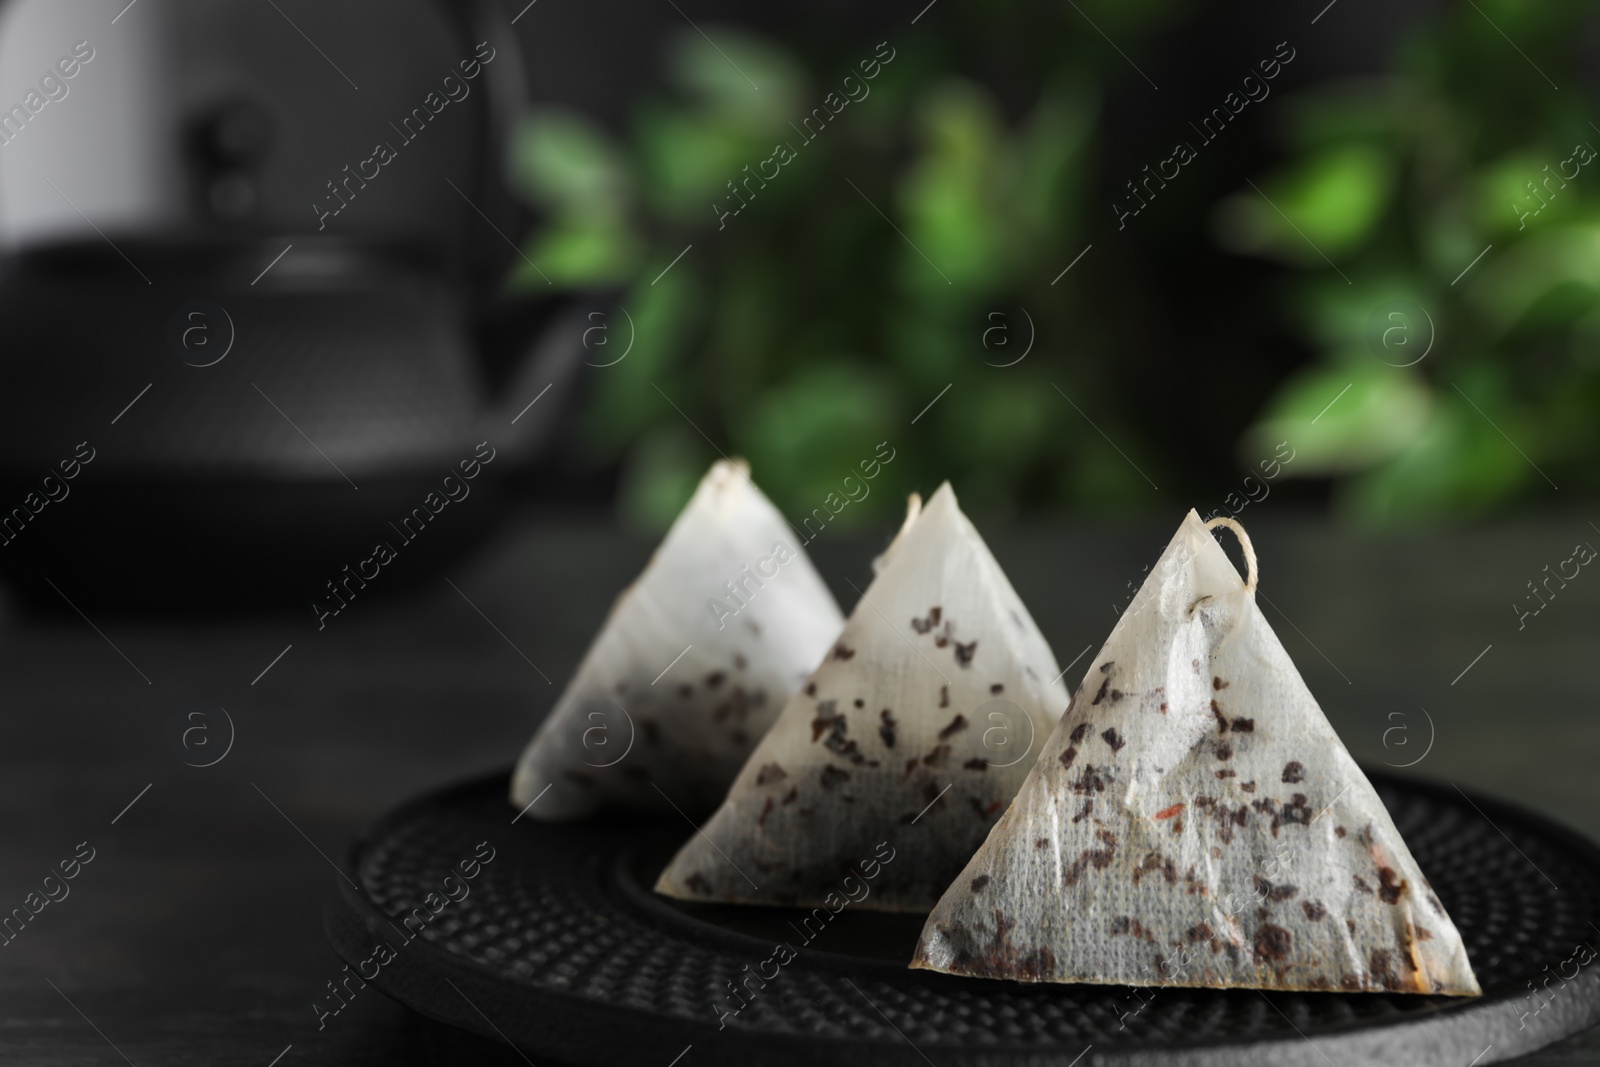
(693,664)
(1195,821)
(916,730)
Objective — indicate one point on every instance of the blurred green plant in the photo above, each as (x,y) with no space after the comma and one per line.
(858,281)
(1402,181)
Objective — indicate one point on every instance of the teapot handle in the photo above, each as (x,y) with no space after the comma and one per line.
(488,255)
(542,343)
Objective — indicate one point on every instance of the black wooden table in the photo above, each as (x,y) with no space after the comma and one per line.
(194,934)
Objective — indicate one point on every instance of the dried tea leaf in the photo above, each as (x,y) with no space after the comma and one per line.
(1195,821)
(918,727)
(730,583)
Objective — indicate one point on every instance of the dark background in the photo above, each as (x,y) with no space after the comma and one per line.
(1422,503)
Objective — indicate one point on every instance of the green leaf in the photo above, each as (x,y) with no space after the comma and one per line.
(688,159)
(1510,286)
(1327,205)
(1344,418)
(581,250)
(1504,203)
(947,195)
(563,160)
(1458,464)
(804,434)
(746,78)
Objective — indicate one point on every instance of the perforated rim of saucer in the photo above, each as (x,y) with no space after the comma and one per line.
(560,948)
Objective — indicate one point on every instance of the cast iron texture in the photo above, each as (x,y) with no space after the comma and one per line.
(561,948)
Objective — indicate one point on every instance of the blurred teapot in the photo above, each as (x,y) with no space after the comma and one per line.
(253,262)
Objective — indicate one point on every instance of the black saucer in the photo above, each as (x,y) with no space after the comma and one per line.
(559,947)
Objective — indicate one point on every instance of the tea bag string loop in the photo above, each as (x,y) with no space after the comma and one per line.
(1244,543)
(913,512)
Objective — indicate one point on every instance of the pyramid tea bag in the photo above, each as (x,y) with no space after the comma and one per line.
(1195,821)
(914,732)
(693,664)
